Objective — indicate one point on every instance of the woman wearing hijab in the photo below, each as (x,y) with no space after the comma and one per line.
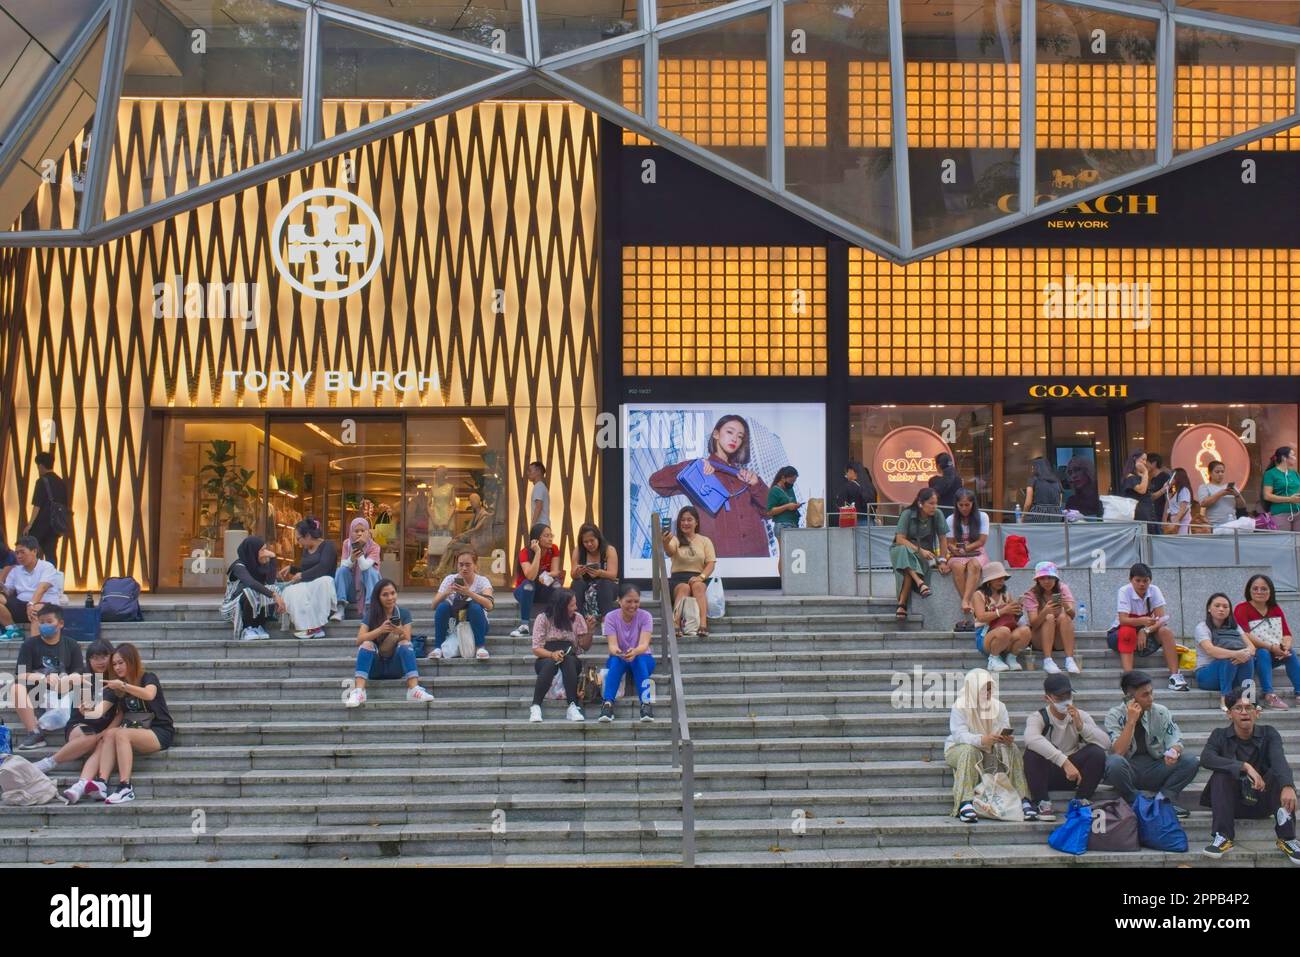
(358,572)
(251,600)
(976,739)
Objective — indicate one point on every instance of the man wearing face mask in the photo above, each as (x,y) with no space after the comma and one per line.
(48,659)
(1064,748)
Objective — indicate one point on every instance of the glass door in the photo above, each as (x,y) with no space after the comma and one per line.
(336,468)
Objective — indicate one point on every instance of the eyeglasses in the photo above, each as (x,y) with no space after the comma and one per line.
(1244,709)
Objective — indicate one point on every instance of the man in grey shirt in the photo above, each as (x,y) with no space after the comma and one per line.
(1218,500)
(540,497)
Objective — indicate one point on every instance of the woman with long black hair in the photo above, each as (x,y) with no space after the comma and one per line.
(1178,502)
(1282,490)
(1042,494)
(920,545)
(251,599)
(1136,484)
(947,483)
(595,574)
(559,634)
(693,560)
(539,574)
(384,649)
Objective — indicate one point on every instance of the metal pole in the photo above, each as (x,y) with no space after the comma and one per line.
(1236,547)
(1067,543)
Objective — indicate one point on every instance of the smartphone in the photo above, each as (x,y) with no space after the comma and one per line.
(395,621)
(460,581)
(1006,732)
(1232,485)
(666,523)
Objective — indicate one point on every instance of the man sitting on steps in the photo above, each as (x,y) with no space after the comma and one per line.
(1147,747)
(1064,748)
(1251,778)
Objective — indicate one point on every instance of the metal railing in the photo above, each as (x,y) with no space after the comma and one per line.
(683,748)
(870,551)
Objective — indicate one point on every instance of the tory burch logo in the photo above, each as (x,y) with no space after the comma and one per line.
(325,244)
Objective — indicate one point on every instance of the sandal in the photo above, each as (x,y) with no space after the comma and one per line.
(966,813)
(923,591)
(702,633)
(901,614)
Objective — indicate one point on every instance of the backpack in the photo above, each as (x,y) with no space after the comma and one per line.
(121,600)
(1016,551)
(21,785)
(60,515)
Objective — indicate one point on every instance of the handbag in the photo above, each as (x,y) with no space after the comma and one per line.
(706,491)
(1071,837)
(1267,630)
(848,516)
(590,687)
(1158,826)
(138,719)
(1114,827)
(438,544)
(816,512)
(687,614)
(995,797)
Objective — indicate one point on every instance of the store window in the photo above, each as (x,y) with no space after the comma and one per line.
(1260,429)
(1024,438)
(212,482)
(966,429)
(455,496)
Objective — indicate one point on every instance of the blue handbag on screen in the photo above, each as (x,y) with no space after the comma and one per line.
(1158,826)
(1072,836)
(706,491)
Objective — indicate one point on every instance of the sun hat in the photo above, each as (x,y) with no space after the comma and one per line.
(992,571)
(1046,570)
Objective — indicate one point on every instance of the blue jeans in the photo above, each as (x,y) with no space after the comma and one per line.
(345,587)
(1222,675)
(1264,664)
(527,593)
(474,614)
(375,668)
(642,666)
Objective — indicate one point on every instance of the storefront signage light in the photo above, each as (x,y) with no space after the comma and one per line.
(905,461)
(1199,445)
(1107,204)
(322,236)
(1097,390)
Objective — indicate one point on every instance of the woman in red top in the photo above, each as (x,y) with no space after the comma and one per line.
(539,573)
(1273,644)
(738,531)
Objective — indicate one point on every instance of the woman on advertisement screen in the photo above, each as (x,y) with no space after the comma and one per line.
(732,517)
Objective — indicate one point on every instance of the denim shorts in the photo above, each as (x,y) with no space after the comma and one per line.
(980,632)
(386,669)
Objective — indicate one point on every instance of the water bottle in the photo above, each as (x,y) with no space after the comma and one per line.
(1017,513)
(90,600)
(1082,617)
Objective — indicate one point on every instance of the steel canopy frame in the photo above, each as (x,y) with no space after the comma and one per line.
(515,71)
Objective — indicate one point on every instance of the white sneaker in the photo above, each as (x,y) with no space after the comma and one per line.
(535,713)
(574,714)
(45,765)
(482,654)
(356,697)
(337,613)
(521,632)
(1013,663)
(1071,666)
(436,654)
(418,694)
(262,634)
(997,664)
(1177,683)
(74,793)
(250,634)
(1051,667)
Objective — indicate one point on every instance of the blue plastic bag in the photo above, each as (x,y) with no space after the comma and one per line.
(6,744)
(1071,837)
(1158,826)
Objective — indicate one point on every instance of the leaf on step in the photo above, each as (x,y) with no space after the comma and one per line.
(778,849)
(47,862)
(80,866)
(927,760)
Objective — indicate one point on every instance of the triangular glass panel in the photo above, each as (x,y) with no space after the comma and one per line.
(44,186)
(35,37)
(1227,85)
(1284,12)
(564,25)
(495,24)
(713,90)
(841,159)
(1095,101)
(212,87)
(365,77)
(618,78)
(675,9)
(963,113)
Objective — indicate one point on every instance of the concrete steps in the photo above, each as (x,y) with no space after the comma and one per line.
(794,708)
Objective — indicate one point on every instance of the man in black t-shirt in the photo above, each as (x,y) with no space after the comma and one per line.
(46,659)
(1158,489)
(50,490)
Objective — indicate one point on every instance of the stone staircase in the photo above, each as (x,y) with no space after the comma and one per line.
(802,757)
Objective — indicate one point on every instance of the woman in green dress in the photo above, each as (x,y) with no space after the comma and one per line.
(920,544)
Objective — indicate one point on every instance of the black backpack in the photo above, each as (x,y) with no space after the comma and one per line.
(121,600)
(60,515)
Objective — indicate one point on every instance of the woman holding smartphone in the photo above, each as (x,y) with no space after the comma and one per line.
(595,575)
(539,574)
(921,538)
(465,593)
(980,732)
(968,530)
(384,649)
(251,599)
(998,632)
(693,561)
(559,634)
(1050,608)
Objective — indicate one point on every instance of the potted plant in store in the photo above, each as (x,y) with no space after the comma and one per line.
(230,486)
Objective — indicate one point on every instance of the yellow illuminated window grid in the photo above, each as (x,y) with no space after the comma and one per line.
(724,310)
(1257,95)
(1095,106)
(982,312)
(963,105)
(868,98)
